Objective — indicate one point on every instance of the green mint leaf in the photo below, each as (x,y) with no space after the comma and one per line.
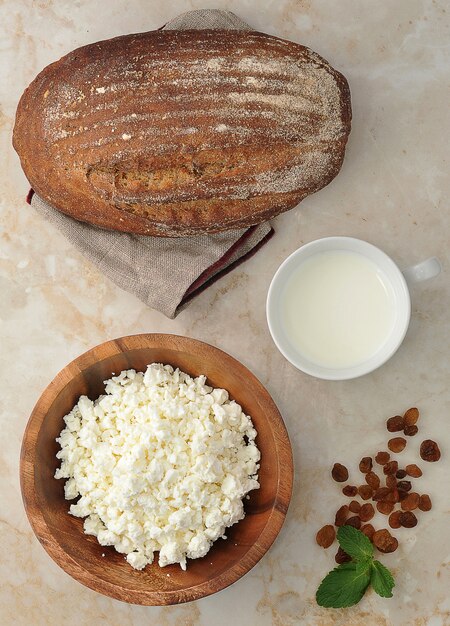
(381,580)
(344,586)
(355,543)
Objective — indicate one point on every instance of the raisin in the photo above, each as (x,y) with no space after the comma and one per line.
(411,416)
(385,507)
(365,464)
(341,515)
(354,506)
(429,451)
(394,519)
(393,496)
(424,503)
(366,512)
(381,493)
(325,536)
(396,444)
(382,458)
(404,485)
(402,495)
(413,470)
(342,557)
(391,467)
(384,541)
(350,491)
(339,473)
(354,521)
(407,519)
(372,480)
(391,481)
(401,473)
(368,530)
(411,502)
(410,431)
(365,491)
(395,423)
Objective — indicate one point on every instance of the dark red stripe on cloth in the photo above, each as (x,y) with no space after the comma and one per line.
(30,195)
(213,273)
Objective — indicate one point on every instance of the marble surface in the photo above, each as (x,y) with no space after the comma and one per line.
(392,191)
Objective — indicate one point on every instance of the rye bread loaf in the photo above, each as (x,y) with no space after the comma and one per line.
(175,133)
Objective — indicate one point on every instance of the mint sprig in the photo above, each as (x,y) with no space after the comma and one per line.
(355,543)
(346,584)
(381,580)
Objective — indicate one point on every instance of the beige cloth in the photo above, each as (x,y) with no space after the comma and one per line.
(164,273)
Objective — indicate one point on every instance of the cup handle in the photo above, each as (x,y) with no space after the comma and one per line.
(422,271)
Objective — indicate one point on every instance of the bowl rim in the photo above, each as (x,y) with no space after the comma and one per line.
(160,597)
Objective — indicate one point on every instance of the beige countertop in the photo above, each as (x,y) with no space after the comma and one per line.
(393,191)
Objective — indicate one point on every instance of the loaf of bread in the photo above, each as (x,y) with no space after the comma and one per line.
(176,133)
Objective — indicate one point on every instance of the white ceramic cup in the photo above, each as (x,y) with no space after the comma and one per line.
(398,282)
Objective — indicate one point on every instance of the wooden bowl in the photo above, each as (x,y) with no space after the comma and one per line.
(80,555)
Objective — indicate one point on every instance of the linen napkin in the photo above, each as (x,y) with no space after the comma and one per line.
(165,273)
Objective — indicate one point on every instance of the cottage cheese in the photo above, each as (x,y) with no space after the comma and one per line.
(161,463)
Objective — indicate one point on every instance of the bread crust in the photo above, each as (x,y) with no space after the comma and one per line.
(175,133)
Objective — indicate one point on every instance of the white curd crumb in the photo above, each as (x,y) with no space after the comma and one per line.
(160,463)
